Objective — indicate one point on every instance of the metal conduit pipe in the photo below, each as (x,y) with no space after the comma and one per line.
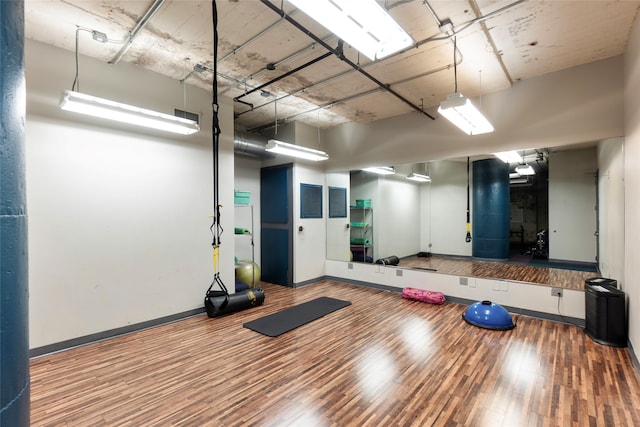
(150,13)
(347,99)
(339,54)
(251,144)
(275,64)
(287,74)
(459,58)
(416,45)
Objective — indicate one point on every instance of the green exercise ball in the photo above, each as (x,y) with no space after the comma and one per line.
(247,272)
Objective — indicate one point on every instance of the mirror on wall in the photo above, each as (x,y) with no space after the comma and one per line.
(391,215)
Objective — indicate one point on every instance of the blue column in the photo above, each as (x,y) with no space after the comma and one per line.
(14,297)
(490,210)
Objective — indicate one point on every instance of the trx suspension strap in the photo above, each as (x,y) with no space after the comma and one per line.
(216,227)
(468,238)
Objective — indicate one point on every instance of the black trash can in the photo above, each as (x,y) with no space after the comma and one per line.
(605,316)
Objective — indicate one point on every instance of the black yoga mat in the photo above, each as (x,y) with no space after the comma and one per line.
(290,318)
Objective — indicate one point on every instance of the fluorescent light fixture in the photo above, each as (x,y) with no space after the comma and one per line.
(279,147)
(523,180)
(459,110)
(363,24)
(509,156)
(524,169)
(514,175)
(418,177)
(111,110)
(381,170)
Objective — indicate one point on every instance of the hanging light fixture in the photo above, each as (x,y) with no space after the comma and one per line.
(77,102)
(524,169)
(418,177)
(381,170)
(112,110)
(509,156)
(460,111)
(293,150)
(363,24)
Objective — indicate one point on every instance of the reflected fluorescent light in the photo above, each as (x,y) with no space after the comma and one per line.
(514,175)
(381,170)
(523,180)
(459,110)
(279,147)
(363,24)
(111,110)
(419,177)
(509,156)
(525,169)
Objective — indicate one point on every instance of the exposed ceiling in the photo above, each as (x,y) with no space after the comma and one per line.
(500,42)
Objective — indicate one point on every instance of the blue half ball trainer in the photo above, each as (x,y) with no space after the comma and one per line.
(485,314)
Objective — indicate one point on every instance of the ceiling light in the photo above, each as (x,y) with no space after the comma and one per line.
(279,147)
(459,110)
(525,169)
(509,157)
(523,180)
(111,110)
(418,177)
(514,175)
(381,170)
(363,24)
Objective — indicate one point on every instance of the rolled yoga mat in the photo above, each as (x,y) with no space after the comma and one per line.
(360,241)
(390,260)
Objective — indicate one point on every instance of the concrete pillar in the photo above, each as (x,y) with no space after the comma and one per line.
(491,210)
(14,292)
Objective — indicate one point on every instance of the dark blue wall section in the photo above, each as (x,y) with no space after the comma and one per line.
(490,209)
(276,226)
(14,289)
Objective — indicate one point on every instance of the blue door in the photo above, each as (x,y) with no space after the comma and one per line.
(276,213)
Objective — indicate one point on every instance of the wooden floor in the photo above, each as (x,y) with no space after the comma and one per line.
(557,277)
(382,361)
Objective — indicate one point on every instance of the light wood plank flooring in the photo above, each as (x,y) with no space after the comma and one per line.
(383,361)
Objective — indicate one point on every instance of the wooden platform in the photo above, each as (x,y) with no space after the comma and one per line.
(562,278)
(383,361)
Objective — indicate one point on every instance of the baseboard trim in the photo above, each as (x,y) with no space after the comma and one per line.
(100,336)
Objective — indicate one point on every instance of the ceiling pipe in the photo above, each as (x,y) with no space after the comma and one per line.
(338,52)
(459,60)
(251,144)
(139,27)
(287,74)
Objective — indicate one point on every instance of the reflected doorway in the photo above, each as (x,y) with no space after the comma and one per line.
(529,218)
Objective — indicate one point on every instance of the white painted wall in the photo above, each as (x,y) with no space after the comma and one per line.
(118,216)
(567,107)
(338,234)
(445,219)
(572,203)
(309,245)
(611,208)
(399,221)
(631,283)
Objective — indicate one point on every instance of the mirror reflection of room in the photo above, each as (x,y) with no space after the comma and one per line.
(421,225)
